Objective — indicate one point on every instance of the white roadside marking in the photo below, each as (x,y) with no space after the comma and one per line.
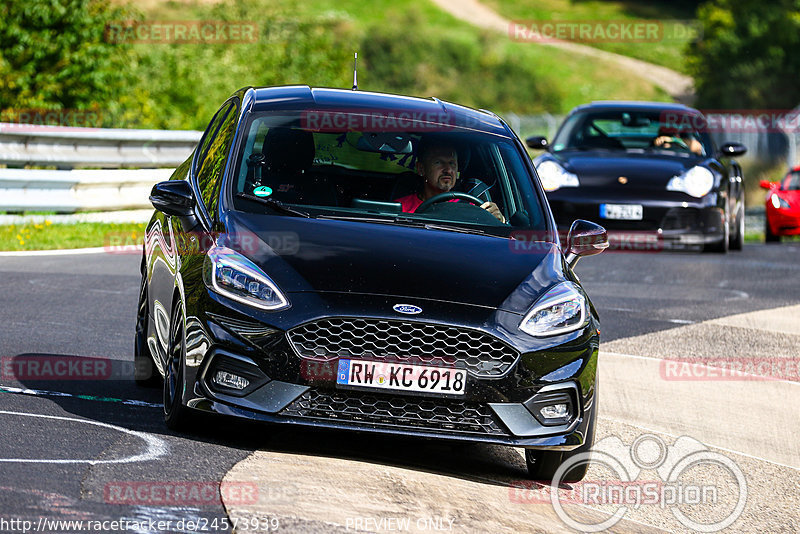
(156,447)
(699,365)
(46,393)
(711,445)
(729,413)
(781,320)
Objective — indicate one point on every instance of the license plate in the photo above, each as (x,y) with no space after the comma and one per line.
(628,212)
(401,377)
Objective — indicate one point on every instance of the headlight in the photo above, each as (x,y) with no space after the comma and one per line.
(697,182)
(230,274)
(562,309)
(554,176)
(778,202)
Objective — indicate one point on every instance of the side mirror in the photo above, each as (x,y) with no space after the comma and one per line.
(537,142)
(585,239)
(731,150)
(766,184)
(173,197)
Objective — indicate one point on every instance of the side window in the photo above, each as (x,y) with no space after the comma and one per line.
(210,132)
(214,156)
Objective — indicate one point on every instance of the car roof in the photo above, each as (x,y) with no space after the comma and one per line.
(633,105)
(346,100)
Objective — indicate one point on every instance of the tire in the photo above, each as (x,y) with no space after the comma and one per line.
(145,373)
(737,239)
(721,247)
(176,415)
(769,237)
(542,465)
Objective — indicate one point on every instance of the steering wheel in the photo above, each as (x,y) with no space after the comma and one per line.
(674,141)
(450,195)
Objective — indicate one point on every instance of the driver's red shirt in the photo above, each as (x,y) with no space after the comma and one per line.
(411,202)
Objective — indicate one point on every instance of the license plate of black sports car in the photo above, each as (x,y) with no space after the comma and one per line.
(401,377)
(628,212)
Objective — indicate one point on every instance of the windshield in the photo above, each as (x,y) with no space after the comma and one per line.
(791,182)
(639,131)
(348,168)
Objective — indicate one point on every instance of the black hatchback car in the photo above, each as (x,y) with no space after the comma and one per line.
(370,262)
(645,169)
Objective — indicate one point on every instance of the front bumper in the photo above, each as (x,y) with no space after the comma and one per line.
(289,388)
(673,224)
(783,221)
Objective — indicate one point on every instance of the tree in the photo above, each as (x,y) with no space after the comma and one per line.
(53,55)
(747,56)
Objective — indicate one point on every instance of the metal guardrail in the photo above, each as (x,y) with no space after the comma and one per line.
(111,185)
(68,148)
(77,190)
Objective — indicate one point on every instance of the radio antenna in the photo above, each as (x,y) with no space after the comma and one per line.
(355,72)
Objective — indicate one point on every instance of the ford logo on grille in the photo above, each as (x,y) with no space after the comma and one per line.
(408,309)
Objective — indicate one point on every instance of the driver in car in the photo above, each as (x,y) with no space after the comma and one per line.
(438,165)
(670,138)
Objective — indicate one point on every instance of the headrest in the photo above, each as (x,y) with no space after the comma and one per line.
(288,151)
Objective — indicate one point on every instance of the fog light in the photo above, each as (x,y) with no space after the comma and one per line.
(230,380)
(555,411)
(554,405)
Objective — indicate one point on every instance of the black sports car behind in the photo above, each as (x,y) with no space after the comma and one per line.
(641,167)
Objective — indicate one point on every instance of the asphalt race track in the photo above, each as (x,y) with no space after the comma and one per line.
(96,449)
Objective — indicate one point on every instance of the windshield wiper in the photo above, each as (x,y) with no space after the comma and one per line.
(459,229)
(411,223)
(276,205)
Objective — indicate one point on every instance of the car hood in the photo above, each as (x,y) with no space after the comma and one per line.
(604,168)
(411,264)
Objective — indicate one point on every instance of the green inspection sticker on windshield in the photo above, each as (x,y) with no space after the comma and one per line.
(262,191)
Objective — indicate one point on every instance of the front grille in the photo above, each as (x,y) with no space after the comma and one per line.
(395,412)
(680,219)
(375,339)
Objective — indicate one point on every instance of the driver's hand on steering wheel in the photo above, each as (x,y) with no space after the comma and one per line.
(662,140)
(492,208)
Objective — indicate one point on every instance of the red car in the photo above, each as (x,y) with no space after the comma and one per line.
(783,206)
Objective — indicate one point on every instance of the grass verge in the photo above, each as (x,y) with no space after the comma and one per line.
(414,48)
(48,236)
(675,18)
